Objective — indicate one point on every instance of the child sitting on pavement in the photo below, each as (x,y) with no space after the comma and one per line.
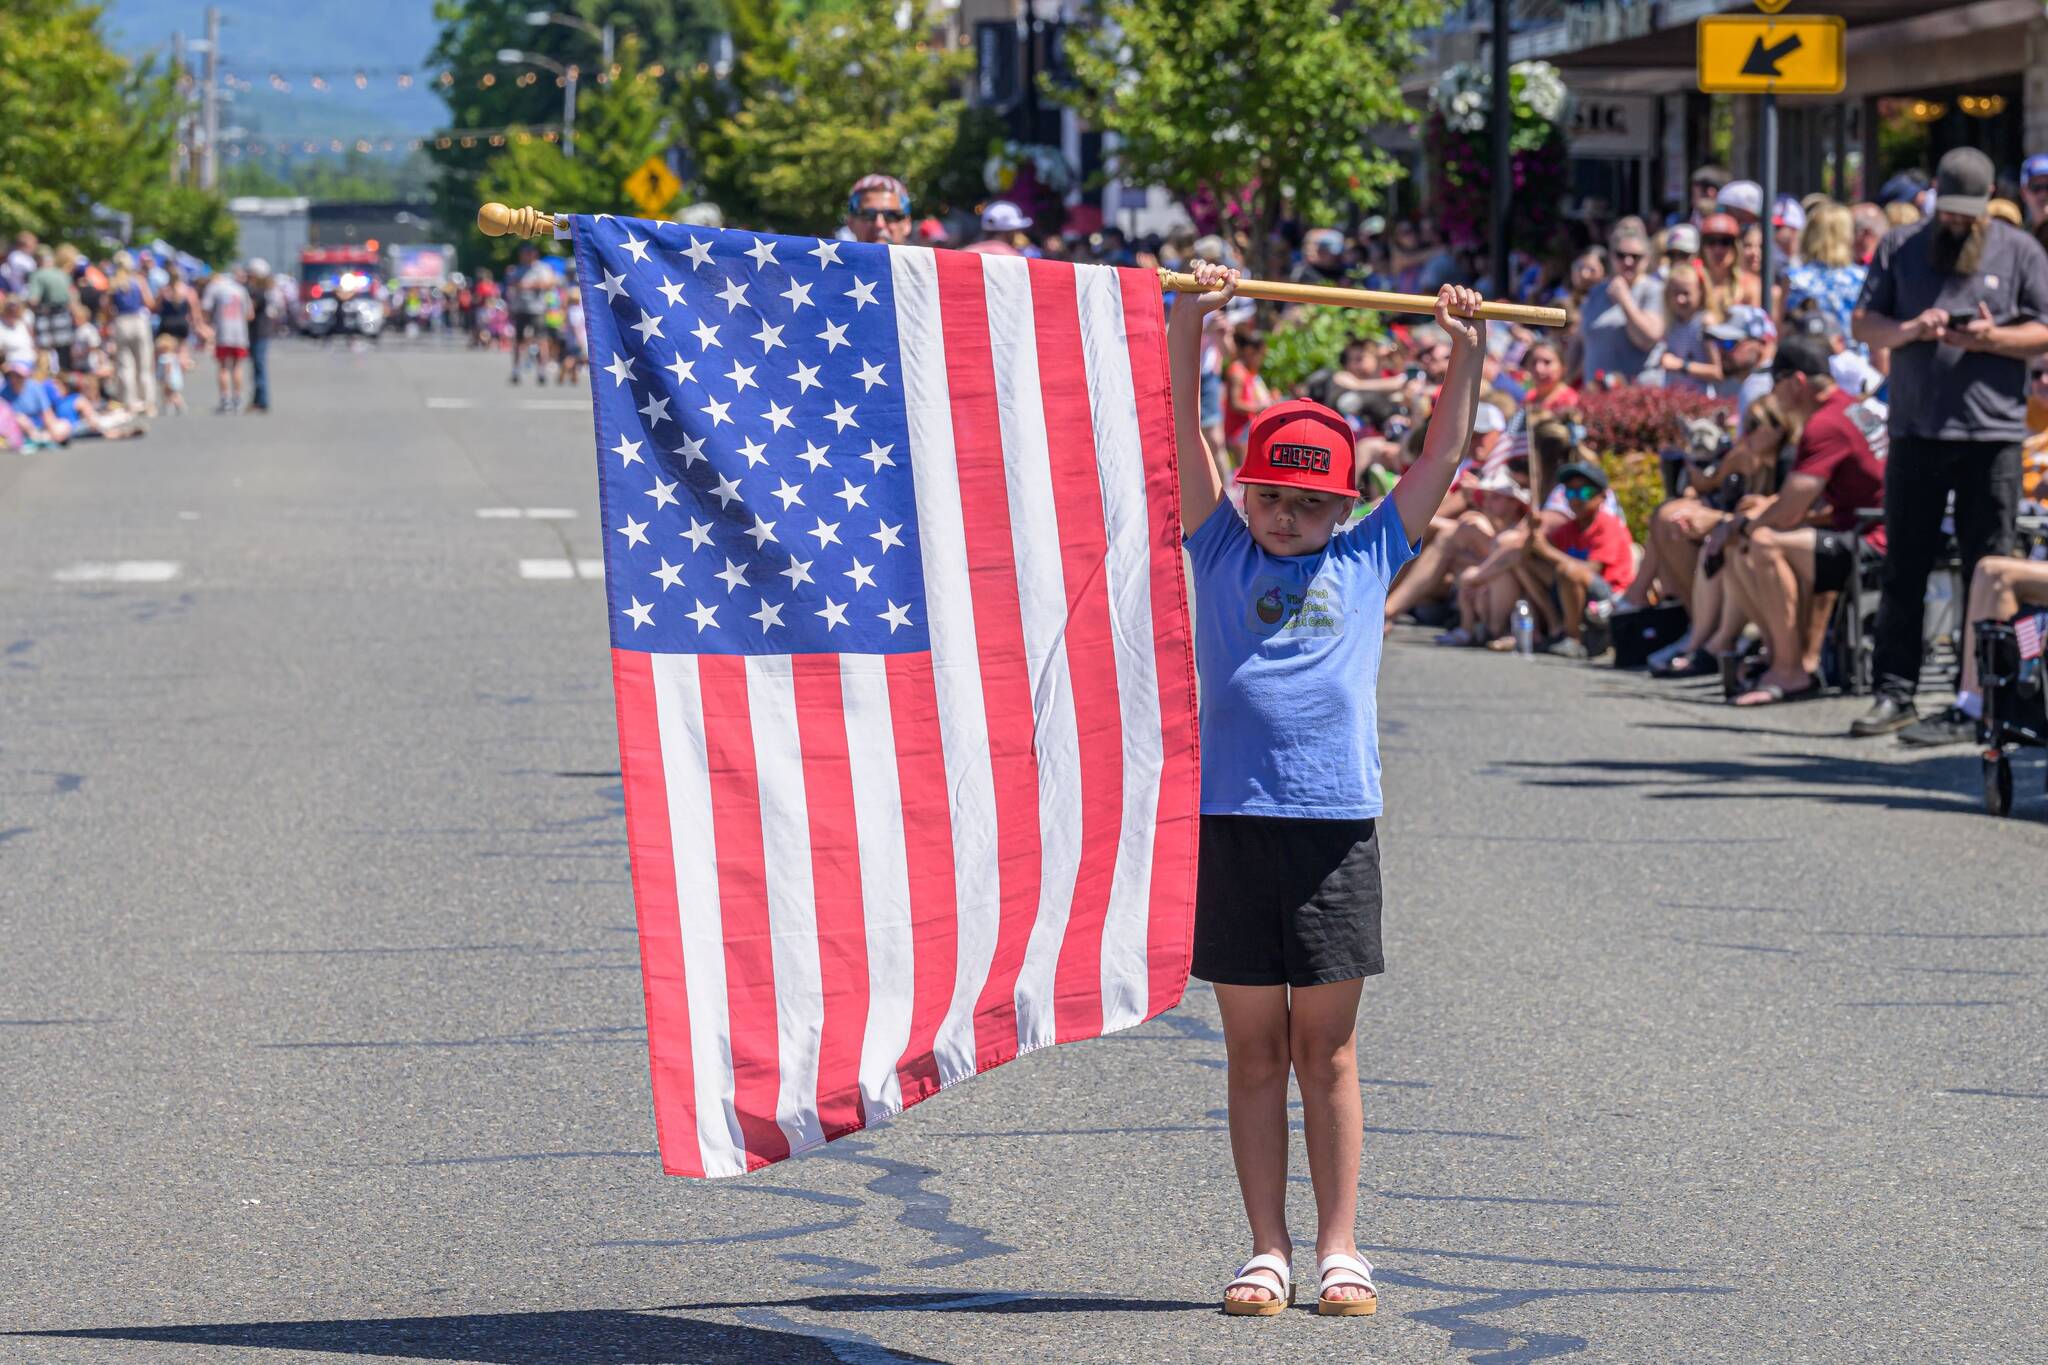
(1287,648)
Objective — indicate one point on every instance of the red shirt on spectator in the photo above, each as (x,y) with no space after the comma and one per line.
(1605,543)
(1834,450)
(1558,397)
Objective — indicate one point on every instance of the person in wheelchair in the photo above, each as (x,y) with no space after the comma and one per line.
(2001,586)
(1787,558)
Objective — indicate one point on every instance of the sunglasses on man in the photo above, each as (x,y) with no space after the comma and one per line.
(886,215)
(1723,243)
(1581,492)
(2037,187)
(1626,257)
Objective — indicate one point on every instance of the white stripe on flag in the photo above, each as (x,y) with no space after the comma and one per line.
(1042,603)
(679,713)
(792,909)
(884,879)
(1120,458)
(956,658)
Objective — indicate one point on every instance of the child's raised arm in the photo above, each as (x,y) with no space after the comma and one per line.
(1201,487)
(1421,490)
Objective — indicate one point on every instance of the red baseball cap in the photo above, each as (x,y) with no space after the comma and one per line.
(1300,444)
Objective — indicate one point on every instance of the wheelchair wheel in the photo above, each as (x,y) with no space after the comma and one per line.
(1998,784)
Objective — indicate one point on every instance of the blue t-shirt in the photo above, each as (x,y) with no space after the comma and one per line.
(31,400)
(1288,653)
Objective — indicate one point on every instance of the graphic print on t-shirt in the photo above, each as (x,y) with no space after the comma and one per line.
(1278,607)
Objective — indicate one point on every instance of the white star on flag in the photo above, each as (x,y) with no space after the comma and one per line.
(755,452)
(827,254)
(877,454)
(791,495)
(799,572)
(870,375)
(762,531)
(703,616)
(699,534)
(664,494)
(734,576)
(827,532)
(813,455)
(778,416)
(770,614)
(798,295)
(671,575)
(896,616)
(692,450)
(862,294)
(834,613)
(635,532)
(763,252)
(806,378)
(851,493)
(769,337)
(655,410)
(698,251)
(862,576)
(742,376)
(612,287)
(707,336)
(627,451)
(841,416)
(636,247)
(672,292)
(621,369)
(641,612)
(734,295)
(682,369)
(648,326)
(726,490)
(834,336)
(716,411)
(886,535)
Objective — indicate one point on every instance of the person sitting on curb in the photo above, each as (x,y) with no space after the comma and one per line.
(2001,585)
(1788,558)
(1585,556)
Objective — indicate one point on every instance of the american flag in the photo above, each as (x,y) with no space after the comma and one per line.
(2032,629)
(903,667)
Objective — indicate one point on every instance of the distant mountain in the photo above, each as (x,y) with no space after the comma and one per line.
(299,41)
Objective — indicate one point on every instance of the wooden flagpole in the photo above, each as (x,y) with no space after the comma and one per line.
(498,220)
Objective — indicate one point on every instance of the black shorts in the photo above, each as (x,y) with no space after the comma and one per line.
(1282,902)
(1834,560)
(525,325)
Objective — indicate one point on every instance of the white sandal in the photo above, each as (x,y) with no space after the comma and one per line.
(1340,1269)
(1261,1308)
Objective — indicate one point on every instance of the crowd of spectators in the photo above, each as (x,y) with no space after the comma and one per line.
(95,347)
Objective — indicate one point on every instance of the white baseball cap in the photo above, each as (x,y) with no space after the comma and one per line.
(1789,214)
(1742,196)
(1487,418)
(1003,216)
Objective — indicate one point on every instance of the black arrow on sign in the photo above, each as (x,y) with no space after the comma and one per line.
(1763,61)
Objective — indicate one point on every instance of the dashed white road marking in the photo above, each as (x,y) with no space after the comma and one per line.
(557,570)
(120,571)
(532,513)
(451,402)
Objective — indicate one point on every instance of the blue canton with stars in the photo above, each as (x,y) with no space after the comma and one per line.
(754,456)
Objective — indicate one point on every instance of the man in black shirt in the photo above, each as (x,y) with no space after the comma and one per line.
(1961,301)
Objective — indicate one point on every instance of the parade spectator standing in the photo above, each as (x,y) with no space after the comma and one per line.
(19,265)
(134,343)
(49,296)
(227,308)
(2034,189)
(1547,390)
(1681,247)
(1322,259)
(1726,283)
(1828,280)
(527,285)
(1624,320)
(1689,361)
(265,308)
(1742,200)
(1775,559)
(1961,303)
(1002,230)
(1707,184)
(1788,222)
(878,210)
(1744,339)
(1870,227)
(17,332)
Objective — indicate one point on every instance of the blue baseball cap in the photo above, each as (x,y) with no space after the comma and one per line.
(2034,167)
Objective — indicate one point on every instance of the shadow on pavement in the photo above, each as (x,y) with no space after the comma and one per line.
(1935,783)
(595,1335)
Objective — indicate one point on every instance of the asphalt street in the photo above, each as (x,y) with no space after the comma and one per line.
(1705,1036)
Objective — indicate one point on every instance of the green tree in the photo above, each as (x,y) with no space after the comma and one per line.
(193,220)
(1275,99)
(619,128)
(82,131)
(817,101)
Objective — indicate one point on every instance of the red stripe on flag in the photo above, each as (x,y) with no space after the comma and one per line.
(835,888)
(927,865)
(654,903)
(999,639)
(743,904)
(1173,850)
(1091,650)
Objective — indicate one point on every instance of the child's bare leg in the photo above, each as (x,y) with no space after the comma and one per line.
(1255,1041)
(1322,1028)
(1992,598)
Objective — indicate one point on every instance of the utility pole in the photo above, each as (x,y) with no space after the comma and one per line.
(1500,117)
(179,166)
(209,167)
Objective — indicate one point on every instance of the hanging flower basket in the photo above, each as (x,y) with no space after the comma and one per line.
(1460,149)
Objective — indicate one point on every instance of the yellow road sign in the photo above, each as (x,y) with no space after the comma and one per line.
(1772,6)
(652,186)
(1792,54)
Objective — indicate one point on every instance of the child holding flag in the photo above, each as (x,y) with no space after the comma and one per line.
(1287,648)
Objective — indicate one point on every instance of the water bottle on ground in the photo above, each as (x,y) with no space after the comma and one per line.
(1523,624)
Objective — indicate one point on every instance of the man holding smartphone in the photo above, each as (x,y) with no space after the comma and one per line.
(1961,301)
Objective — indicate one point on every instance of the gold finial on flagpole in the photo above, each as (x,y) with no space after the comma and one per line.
(499,220)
